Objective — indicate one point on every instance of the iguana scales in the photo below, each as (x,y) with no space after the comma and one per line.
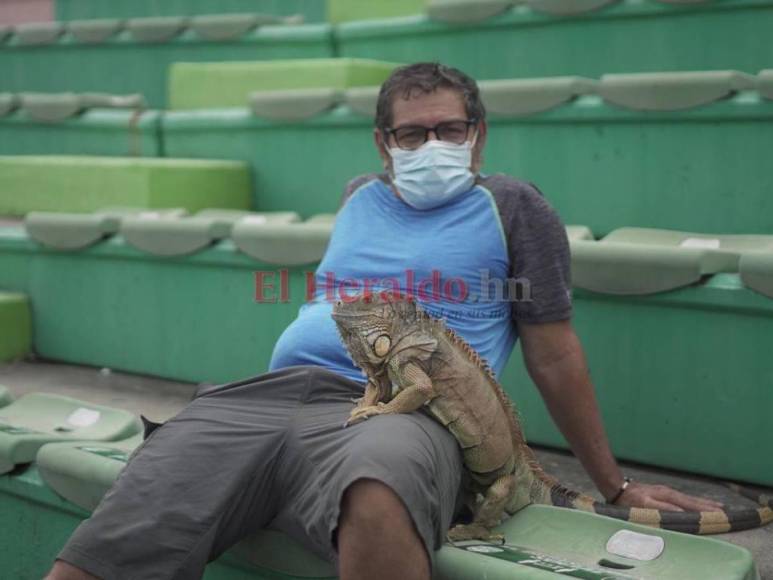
(414,361)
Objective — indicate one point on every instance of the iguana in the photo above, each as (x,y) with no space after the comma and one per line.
(414,361)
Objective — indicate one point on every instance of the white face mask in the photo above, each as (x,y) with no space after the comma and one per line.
(433,174)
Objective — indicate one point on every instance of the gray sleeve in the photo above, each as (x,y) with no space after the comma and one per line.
(538,250)
(355,184)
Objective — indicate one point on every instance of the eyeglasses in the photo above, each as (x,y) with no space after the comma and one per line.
(414,136)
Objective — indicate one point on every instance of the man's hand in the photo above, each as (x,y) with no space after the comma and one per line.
(662,497)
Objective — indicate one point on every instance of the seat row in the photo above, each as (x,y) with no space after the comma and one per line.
(272,237)
(52,108)
(15,329)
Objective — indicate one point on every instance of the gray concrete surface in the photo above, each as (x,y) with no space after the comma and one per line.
(160,399)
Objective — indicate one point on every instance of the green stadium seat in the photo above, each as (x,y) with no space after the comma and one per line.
(362,100)
(578,233)
(95,31)
(756,270)
(231,216)
(86,184)
(8,103)
(5,33)
(765,83)
(6,398)
(219,27)
(293,105)
(159,29)
(322,218)
(36,419)
(346,10)
(229,84)
(56,107)
(672,91)
(37,33)
(82,472)
(675,239)
(514,97)
(568,7)
(460,11)
(286,244)
(65,231)
(15,326)
(172,236)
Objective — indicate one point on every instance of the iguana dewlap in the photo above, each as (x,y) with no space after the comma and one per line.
(414,361)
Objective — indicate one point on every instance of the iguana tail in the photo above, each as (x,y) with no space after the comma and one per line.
(546,490)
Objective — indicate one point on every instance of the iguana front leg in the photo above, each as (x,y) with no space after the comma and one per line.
(417,391)
(376,390)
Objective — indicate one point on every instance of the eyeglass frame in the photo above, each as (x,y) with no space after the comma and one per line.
(469,122)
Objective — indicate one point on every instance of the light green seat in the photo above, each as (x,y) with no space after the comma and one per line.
(159,29)
(37,33)
(8,103)
(765,83)
(578,233)
(5,33)
(56,107)
(74,231)
(36,419)
(82,472)
(568,7)
(172,236)
(362,100)
(229,84)
(86,184)
(756,270)
(515,97)
(322,218)
(15,326)
(294,104)
(676,239)
(672,91)
(287,244)
(460,11)
(95,31)
(347,10)
(219,27)
(6,398)
(232,216)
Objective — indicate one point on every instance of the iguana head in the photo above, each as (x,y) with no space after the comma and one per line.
(375,327)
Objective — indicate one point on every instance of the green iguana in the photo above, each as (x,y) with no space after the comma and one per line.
(413,361)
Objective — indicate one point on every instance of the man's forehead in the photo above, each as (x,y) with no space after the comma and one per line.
(428,109)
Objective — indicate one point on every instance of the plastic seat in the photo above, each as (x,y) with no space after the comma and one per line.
(287,244)
(36,33)
(5,33)
(672,91)
(75,231)
(172,236)
(293,105)
(15,326)
(95,31)
(36,419)
(568,7)
(322,218)
(578,233)
(82,472)
(528,96)
(362,100)
(51,108)
(232,216)
(6,398)
(459,11)
(8,103)
(106,101)
(765,83)
(219,27)
(159,29)
(756,269)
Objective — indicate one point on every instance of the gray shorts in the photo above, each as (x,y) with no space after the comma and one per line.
(268,451)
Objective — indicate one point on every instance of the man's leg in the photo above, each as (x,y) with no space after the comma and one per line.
(373,529)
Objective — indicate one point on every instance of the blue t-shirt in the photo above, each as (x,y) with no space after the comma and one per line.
(444,256)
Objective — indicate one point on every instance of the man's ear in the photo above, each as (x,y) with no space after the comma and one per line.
(378,138)
(480,144)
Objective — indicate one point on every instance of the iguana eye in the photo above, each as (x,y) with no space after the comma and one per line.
(382,344)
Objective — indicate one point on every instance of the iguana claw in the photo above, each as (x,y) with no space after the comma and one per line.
(463,532)
(361,414)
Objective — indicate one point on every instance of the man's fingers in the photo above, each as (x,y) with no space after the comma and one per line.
(688,502)
(662,505)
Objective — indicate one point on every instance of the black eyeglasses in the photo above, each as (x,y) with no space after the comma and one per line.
(414,136)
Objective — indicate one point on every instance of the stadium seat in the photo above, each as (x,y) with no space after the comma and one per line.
(95,31)
(346,10)
(362,100)
(578,233)
(159,29)
(85,184)
(5,33)
(9,102)
(286,244)
(293,105)
(672,91)
(15,326)
(757,271)
(6,398)
(514,97)
(462,11)
(568,7)
(765,83)
(68,231)
(229,84)
(56,107)
(36,419)
(37,33)
(82,472)
(232,216)
(219,27)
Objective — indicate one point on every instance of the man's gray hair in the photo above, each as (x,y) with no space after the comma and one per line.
(427,77)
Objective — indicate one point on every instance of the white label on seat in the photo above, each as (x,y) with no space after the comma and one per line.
(83,417)
(636,546)
(257,220)
(704,243)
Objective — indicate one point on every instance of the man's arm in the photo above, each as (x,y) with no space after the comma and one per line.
(556,363)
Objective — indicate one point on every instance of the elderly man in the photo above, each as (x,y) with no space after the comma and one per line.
(377,497)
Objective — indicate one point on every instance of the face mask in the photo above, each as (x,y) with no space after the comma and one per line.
(433,174)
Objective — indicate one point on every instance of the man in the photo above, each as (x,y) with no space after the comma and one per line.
(271,450)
